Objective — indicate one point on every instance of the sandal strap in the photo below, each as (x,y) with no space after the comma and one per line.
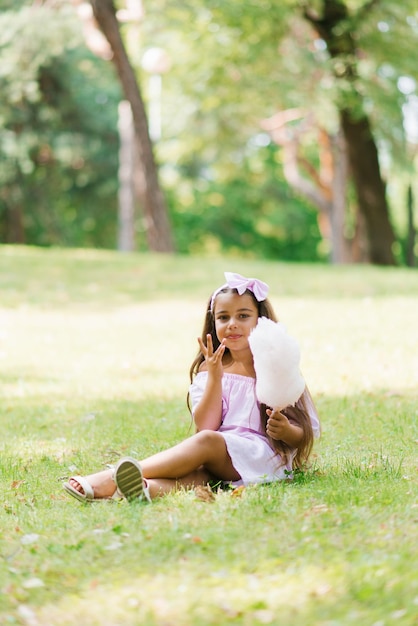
(87,488)
(145,491)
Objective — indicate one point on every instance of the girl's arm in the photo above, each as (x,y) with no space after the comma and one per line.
(208,413)
(280,428)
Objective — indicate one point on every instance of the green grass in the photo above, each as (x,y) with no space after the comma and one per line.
(94,355)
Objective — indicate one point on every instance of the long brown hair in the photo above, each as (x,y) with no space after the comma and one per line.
(298,414)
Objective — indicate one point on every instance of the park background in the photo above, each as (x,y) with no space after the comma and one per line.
(104,280)
(281,130)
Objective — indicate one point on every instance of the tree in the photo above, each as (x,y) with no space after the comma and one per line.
(337,28)
(324,183)
(244,61)
(58,151)
(157,224)
(234,65)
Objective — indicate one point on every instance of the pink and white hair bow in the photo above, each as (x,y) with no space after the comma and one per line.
(241,284)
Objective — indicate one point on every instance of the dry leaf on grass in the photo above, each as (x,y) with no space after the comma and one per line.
(238,492)
(204,493)
(16,484)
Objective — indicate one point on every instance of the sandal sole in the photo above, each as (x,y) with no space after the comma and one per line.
(129,480)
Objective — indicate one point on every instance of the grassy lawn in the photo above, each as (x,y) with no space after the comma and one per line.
(95,349)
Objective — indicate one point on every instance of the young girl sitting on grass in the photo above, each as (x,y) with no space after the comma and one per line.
(238,439)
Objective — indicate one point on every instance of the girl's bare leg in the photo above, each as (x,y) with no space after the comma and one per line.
(192,462)
(207,448)
(104,485)
(161,486)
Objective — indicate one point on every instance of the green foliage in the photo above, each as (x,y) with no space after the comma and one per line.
(58,132)
(250,72)
(248,212)
(227,75)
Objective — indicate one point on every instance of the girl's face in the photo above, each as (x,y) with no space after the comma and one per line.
(235,317)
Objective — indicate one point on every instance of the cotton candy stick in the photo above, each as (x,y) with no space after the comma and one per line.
(276,361)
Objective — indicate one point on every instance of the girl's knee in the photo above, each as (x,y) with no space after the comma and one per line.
(208,437)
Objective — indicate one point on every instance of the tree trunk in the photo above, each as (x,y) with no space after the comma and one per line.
(325,185)
(341,251)
(15,228)
(158,228)
(126,195)
(410,241)
(370,188)
(336,29)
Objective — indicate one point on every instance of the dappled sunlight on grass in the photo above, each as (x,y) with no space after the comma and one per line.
(148,348)
(95,350)
(216,597)
(192,589)
(356,344)
(128,353)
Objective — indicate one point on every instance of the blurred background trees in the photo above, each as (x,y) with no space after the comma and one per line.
(58,135)
(286,129)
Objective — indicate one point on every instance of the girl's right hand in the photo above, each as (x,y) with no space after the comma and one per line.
(213,359)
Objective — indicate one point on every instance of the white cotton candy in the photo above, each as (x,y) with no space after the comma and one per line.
(276,361)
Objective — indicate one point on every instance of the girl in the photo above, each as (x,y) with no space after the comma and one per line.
(237,440)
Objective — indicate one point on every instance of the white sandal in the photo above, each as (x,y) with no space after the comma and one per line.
(130,481)
(87,495)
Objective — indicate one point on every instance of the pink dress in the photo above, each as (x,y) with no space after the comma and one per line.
(249,449)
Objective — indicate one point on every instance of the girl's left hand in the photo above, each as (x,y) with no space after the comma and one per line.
(278,425)
(213,358)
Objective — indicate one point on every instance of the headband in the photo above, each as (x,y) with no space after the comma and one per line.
(241,284)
